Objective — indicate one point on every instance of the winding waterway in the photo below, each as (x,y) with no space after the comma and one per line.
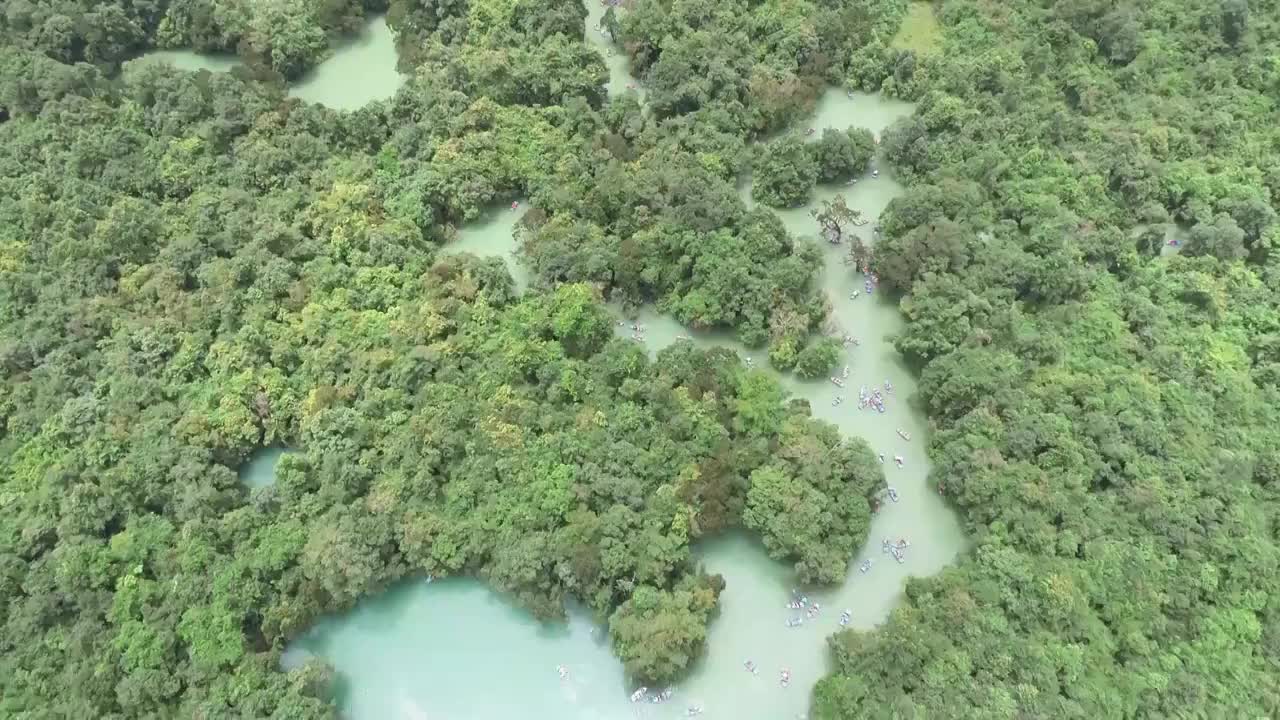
(453,649)
(620,77)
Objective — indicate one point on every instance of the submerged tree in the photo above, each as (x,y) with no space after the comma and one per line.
(835,217)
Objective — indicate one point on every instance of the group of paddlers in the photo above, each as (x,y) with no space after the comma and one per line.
(637,330)
(896,549)
(784,677)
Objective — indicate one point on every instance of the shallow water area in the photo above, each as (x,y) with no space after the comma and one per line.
(260,469)
(493,235)
(842,109)
(361,70)
(620,77)
(189,60)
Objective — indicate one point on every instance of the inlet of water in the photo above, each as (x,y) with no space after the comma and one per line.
(362,68)
(260,469)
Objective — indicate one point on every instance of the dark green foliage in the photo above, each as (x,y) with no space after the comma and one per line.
(841,155)
(1105,420)
(193,267)
(785,173)
(819,358)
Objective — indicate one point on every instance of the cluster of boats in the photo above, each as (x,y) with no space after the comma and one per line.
(637,331)
(896,549)
(811,610)
(870,280)
(873,398)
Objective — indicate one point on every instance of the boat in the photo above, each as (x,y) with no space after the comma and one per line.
(904,435)
(893,494)
(639,694)
(865,566)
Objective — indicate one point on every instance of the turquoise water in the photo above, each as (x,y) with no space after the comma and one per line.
(260,469)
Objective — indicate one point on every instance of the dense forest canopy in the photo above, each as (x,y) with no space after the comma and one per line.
(193,266)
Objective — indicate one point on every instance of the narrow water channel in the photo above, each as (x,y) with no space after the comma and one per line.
(620,77)
(453,649)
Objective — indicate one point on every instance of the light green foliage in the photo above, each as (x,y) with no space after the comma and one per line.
(920,32)
(657,633)
(811,504)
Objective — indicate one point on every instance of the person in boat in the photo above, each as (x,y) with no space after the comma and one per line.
(693,710)
(881,457)
(897,459)
(893,494)
(564,671)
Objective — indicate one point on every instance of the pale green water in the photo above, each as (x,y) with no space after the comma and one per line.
(454,650)
(260,469)
(493,235)
(190,60)
(361,70)
(620,78)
